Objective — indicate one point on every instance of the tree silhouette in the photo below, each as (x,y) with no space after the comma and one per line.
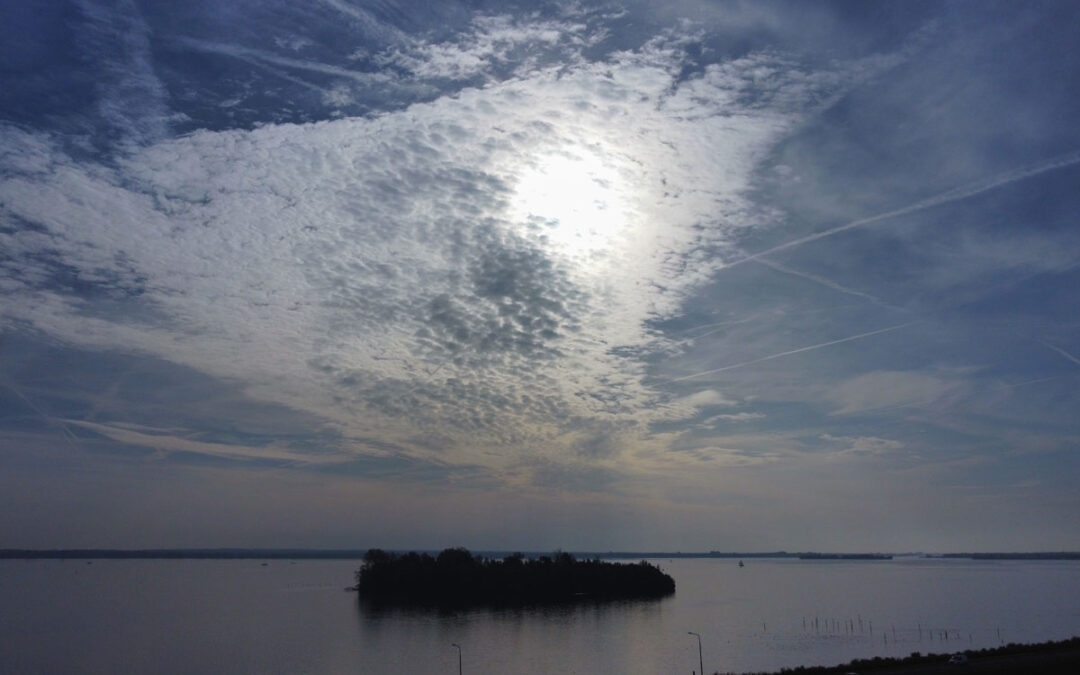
(457,577)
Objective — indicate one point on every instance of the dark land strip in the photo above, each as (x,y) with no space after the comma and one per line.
(358,554)
(1047,658)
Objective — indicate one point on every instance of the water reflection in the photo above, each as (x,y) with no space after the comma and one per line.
(190,617)
(771,615)
(599,636)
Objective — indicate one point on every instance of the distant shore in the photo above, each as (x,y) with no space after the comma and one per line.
(1046,658)
(358,554)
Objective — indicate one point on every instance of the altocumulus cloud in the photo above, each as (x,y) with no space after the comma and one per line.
(381,272)
(651,273)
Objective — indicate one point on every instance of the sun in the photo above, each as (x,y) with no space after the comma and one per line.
(573,201)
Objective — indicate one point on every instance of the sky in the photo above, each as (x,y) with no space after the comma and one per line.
(694,275)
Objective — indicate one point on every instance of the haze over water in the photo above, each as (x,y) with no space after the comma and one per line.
(214,616)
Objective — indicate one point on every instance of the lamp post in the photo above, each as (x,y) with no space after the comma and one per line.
(454,644)
(701,662)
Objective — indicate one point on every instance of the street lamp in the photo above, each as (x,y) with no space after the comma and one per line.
(454,644)
(701,663)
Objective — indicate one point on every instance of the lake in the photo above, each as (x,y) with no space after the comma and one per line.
(240,616)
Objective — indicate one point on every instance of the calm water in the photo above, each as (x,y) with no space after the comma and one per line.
(198,616)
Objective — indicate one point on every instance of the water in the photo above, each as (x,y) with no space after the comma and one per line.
(238,616)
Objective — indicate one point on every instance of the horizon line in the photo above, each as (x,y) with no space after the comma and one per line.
(254,553)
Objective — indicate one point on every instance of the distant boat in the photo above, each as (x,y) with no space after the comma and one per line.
(741,565)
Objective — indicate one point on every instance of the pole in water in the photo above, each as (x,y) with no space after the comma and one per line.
(454,644)
(701,661)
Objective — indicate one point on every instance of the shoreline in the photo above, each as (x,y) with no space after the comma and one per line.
(235,553)
(1060,657)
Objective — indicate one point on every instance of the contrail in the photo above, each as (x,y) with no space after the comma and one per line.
(795,351)
(828,283)
(715,328)
(1035,381)
(956,194)
(1061,351)
(240,52)
(277,73)
(354,12)
(373,26)
(67,433)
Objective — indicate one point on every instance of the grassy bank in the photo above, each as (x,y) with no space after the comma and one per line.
(1047,658)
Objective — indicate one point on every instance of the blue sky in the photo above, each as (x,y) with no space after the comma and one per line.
(712,275)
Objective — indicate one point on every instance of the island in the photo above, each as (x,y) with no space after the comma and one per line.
(456,577)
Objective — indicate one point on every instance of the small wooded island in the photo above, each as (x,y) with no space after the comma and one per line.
(457,577)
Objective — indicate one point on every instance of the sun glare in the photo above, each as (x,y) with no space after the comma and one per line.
(573,201)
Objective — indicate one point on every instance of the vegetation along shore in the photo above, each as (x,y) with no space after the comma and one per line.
(1046,658)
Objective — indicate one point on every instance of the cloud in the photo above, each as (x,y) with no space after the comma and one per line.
(132,101)
(570,477)
(706,398)
(374,271)
(867,445)
(719,457)
(880,390)
(168,441)
(492,44)
(690,451)
(493,260)
(734,417)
